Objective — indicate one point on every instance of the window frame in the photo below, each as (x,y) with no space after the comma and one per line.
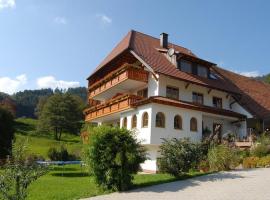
(202,67)
(219,98)
(181,122)
(186,61)
(125,122)
(171,88)
(134,123)
(143,120)
(162,120)
(143,92)
(193,129)
(197,94)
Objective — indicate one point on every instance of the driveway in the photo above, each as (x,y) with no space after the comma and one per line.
(243,184)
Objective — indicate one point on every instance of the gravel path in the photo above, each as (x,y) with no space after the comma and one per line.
(243,184)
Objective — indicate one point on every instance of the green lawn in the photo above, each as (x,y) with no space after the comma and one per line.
(39,144)
(72,182)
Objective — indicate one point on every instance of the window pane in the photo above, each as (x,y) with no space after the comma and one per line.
(145,120)
(197,98)
(160,120)
(202,71)
(177,122)
(186,66)
(172,92)
(143,93)
(134,121)
(217,102)
(193,124)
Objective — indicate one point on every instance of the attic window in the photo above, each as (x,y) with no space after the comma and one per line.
(213,76)
(185,66)
(202,71)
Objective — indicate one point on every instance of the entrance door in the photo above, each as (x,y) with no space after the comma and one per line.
(217,131)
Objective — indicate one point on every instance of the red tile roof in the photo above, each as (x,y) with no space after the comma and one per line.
(189,105)
(255,94)
(147,47)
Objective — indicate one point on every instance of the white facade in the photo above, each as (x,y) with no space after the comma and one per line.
(151,136)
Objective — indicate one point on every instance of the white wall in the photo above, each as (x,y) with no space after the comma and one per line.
(152,154)
(185,94)
(237,108)
(169,132)
(143,134)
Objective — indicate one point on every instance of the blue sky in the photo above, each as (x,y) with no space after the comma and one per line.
(49,43)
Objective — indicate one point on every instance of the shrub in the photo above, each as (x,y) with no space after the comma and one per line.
(264,162)
(222,157)
(204,166)
(114,156)
(250,162)
(178,156)
(260,150)
(60,154)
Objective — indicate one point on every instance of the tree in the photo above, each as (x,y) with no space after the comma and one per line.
(61,112)
(114,156)
(6,132)
(18,174)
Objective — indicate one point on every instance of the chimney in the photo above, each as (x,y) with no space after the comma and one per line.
(164,40)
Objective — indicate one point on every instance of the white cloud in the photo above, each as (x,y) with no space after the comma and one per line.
(7,4)
(51,82)
(60,20)
(104,18)
(11,86)
(250,73)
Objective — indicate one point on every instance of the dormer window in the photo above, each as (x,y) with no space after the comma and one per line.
(202,71)
(186,66)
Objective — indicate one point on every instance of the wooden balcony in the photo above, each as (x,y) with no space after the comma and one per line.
(122,80)
(116,105)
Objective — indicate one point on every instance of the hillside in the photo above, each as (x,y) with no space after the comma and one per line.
(40,144)
(26,101)
(264,78)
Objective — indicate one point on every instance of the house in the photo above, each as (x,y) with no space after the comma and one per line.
(163,90)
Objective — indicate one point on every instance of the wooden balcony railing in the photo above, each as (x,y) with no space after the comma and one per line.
(112,106)
(127,71)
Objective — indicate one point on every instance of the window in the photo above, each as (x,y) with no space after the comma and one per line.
(160,120)
(145,120)
(193,124)
(186,66)
(217,102)
(177,122)
(134,121)
(202,71)
(197,98)
(125,122)
(172,92)
(143,93)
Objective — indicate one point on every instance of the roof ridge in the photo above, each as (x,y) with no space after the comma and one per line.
(158,39)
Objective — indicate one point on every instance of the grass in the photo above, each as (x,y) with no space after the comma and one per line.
(40,144)
(72,182)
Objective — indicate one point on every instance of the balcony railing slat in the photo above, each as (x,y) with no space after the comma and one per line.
(116,105)
(129,72)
